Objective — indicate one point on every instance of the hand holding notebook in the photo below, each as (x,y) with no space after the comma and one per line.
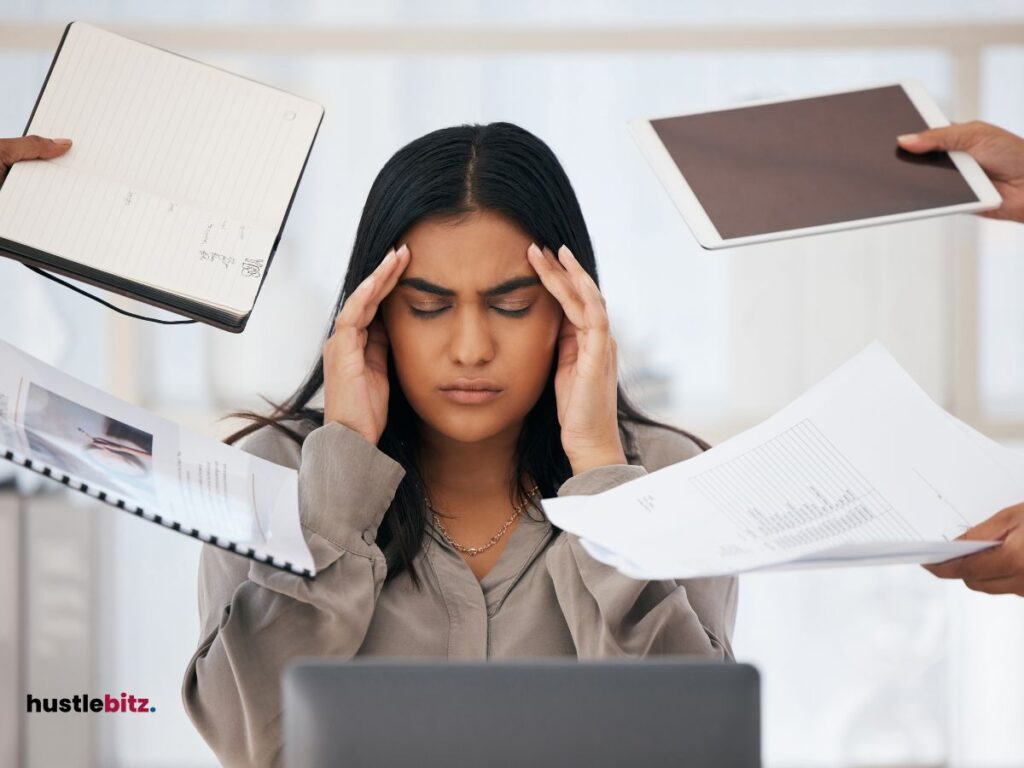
(177,186)
(29,148)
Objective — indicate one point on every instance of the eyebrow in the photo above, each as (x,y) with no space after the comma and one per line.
(508,286)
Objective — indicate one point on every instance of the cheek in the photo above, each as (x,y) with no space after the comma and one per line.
(530,345)
(407,344)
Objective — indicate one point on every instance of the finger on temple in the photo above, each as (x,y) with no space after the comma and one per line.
(361,306)
(557,282)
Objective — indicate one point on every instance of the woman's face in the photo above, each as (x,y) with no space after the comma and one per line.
(470,311)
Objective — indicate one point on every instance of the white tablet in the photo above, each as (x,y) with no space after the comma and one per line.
(788,168)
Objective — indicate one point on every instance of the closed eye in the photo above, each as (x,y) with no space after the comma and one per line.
(508,310)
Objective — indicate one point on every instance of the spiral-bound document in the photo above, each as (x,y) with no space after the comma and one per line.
(178,183)
(129,458)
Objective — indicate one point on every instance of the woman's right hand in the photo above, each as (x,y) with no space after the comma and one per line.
(356,354)
(29,148)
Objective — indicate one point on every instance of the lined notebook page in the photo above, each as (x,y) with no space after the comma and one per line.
(179,176)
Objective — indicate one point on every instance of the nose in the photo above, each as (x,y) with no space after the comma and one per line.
(471,342)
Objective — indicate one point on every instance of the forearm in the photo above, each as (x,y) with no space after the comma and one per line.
(232,684)
(611,614)
(256,618)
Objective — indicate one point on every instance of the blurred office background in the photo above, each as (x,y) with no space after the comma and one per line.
(860,667)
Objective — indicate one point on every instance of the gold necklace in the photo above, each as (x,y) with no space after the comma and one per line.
(474,551)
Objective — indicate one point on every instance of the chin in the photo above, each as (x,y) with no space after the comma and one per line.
(470,427)
(470,423)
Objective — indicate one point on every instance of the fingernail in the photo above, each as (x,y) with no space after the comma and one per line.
(388,257)
(62,142)
(907,138)
(534,251)
(564,248)
(402,250)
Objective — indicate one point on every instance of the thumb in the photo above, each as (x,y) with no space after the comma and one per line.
(960,136)
(996,527)
(31,148)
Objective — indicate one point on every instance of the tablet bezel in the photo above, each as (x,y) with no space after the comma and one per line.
(697,219)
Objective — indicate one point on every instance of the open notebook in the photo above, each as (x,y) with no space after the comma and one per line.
(129,458)
(177,185)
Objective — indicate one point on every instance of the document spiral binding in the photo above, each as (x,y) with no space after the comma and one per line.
(120,503)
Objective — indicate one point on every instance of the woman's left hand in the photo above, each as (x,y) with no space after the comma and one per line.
(586,380)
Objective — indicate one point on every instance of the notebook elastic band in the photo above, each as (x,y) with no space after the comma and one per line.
(106,303)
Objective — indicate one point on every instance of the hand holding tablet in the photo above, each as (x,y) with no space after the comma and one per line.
(789,168)
(999,153)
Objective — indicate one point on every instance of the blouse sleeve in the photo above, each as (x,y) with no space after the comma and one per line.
(255,617)
(610,614)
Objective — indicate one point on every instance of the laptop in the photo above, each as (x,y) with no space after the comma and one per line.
(664,711)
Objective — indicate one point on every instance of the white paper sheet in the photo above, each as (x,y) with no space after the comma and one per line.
(862,469)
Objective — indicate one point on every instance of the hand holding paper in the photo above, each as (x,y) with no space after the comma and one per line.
(999,570)
(864,468)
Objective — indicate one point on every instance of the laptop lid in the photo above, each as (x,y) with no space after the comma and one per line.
(642,712)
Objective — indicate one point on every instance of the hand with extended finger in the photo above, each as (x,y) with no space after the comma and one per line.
(356,354)
(29,148)
(586,378)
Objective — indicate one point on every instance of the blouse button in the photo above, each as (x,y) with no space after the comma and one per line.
(368,536)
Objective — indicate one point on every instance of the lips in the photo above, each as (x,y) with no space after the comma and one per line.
(471,391)
(471,396)
(471,385)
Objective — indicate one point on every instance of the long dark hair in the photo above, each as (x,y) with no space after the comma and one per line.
(449,173)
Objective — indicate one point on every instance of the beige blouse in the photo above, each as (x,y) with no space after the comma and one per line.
(545,596)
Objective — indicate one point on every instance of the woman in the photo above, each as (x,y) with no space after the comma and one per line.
(469,373)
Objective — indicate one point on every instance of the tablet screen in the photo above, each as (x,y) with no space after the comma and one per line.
(809,162)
